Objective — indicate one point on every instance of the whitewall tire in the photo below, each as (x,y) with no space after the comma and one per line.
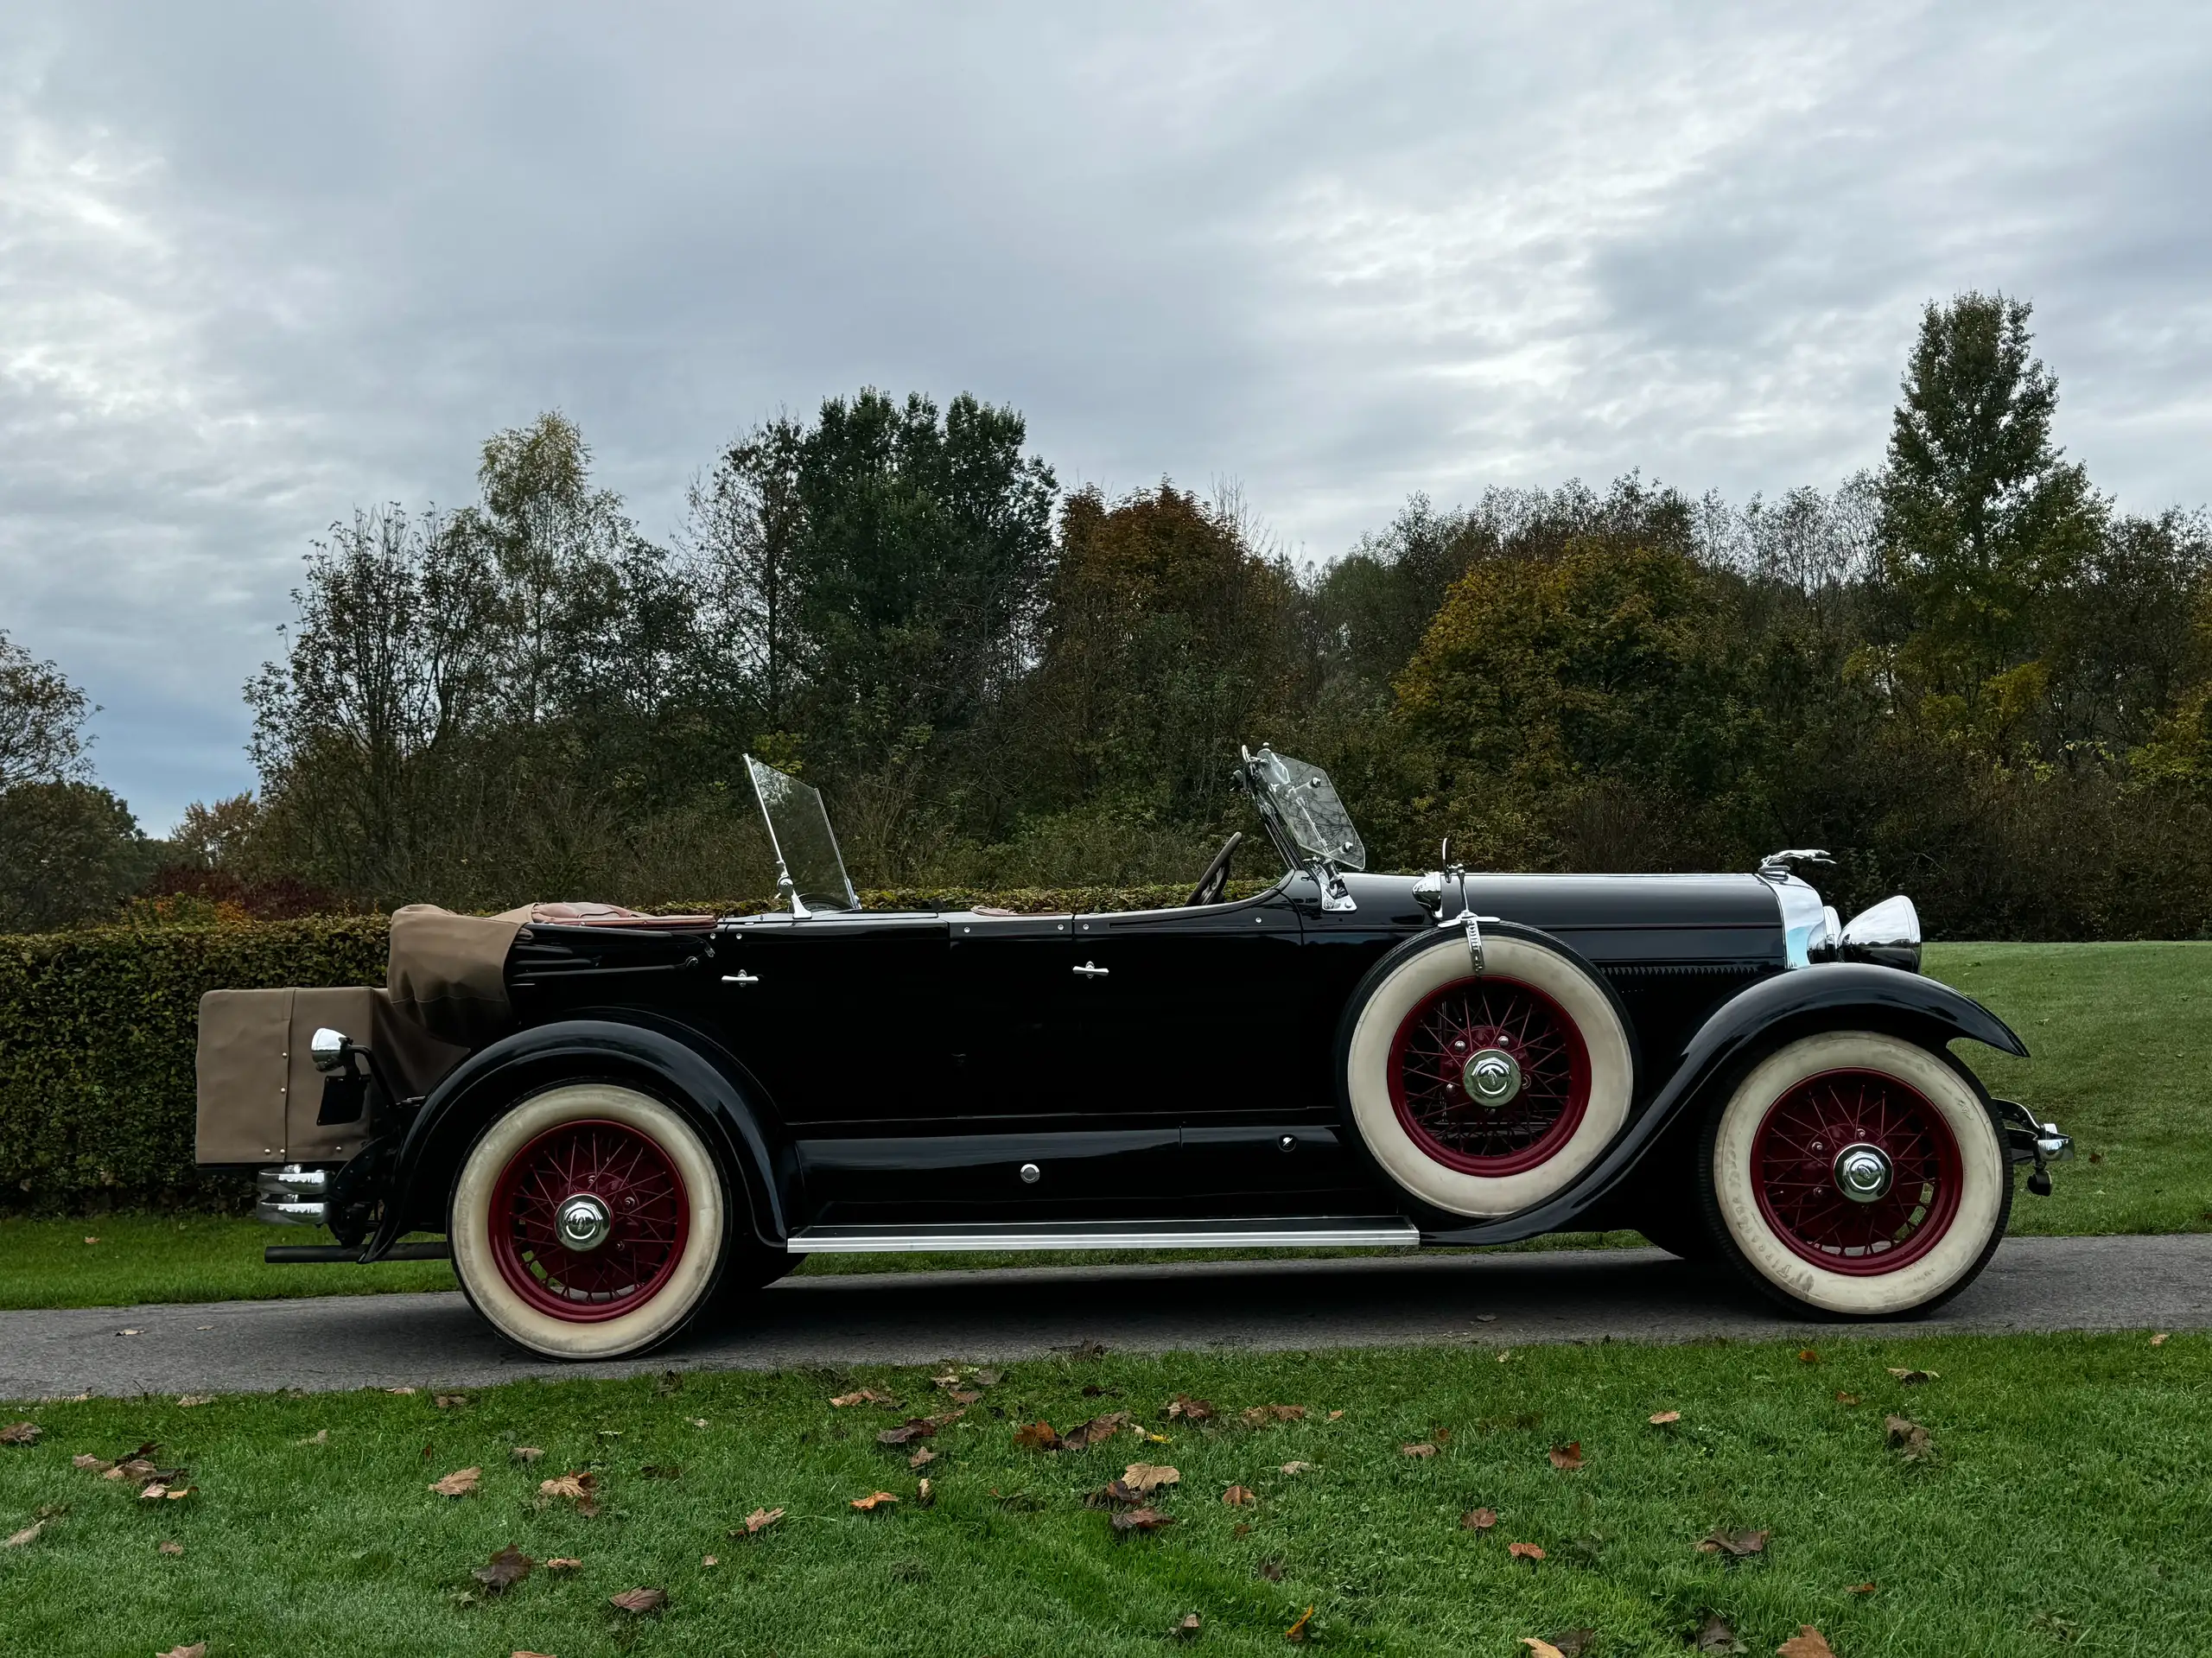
(1484,1143)
(1856,1174)
(588,1221)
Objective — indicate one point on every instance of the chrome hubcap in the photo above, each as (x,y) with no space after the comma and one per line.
(1491,1078)
(584,1222)
(1863,1173)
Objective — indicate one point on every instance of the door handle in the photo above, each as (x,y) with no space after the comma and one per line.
(1088,971)
(740,977)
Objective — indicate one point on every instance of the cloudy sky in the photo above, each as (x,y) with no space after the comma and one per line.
(259,264)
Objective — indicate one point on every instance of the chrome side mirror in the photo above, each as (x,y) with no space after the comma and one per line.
(1888,934)
(331,1049)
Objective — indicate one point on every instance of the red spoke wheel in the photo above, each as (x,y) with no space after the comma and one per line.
(1482,1094)
(1488,1076)
(589,1220)
(1856,1174)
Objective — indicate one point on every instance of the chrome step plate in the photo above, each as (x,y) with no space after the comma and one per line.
(1380,1231)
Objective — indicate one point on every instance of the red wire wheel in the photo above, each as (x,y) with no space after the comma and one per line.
(1795,1164)
(626,1178)
(1428,1068)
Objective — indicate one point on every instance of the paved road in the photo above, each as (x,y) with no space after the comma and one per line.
(434,1340)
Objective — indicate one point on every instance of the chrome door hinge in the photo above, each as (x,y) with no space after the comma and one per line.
(740,977)
(1090,970)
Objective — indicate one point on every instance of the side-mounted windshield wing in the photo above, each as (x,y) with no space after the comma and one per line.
(810,871)
(1306,806)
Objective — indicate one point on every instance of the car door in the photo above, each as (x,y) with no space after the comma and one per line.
(1192,1011)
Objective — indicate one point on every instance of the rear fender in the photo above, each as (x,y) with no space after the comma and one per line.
(670,1059)
(1832,996)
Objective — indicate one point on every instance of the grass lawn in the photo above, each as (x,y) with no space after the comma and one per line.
(2122,1035)
(2062,1509)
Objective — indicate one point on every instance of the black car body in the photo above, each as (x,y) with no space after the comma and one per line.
(1226,1071)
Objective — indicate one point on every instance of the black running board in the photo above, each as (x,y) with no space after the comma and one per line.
(1319,1232)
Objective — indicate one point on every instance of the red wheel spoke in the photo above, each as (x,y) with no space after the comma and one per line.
(1798,1189)
(624,1170)
(1444,1031)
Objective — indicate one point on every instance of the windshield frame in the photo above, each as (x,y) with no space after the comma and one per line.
(794,797)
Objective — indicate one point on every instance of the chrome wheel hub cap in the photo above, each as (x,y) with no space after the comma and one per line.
(1491,1078)
(1863,1173)
(584,1222)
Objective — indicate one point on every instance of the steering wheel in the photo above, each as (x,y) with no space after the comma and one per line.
(1215,881)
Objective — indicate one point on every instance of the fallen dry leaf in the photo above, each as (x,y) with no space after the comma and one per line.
(1187,1627)
(85,1459)
(579,1488)
(922,1458)
(1910,1437)
(21,1434)
(1096,1430)
(1524,1551)
(1862,1589)
(1186,1408)
(91,1240)
(708,1560)
(1573,1643)
(759,1519)
(1271,1570)
(922,1494)
(447,1401)
(1847,1399)
(873,1501)
(403,1391)
(696,1421)
(1334,1414)
(1260,1415)
(520,1653)
(1422,1449)
(965,1396)
(1141,1520)
(1478,1520)
(1298,1630)
(1912,1378)
(1806,1356)
(915,1427)
(564,1563)
(1807,1643)
(637,1602)
(1566,1458)
(1665,1418)
(1298,1467)
(197,1649)
(460,1483)
(1737,1543)
(526,1453)
(129,1332)
(2159,1340)
(1038,1435)
(187,1400)
(1240,1497)
(1717,1635)
(505,1569)
(25,1536)
(320,1436)
(1541,1648)
(863,1396)
(1147,1476)
(169,1548)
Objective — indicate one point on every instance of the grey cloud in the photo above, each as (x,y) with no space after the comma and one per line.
(259,264)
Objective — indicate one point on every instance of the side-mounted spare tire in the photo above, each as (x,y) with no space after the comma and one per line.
(1481,1093)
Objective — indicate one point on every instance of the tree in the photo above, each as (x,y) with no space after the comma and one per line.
(744,533)
(42,719)
(69,852)
(1982,522)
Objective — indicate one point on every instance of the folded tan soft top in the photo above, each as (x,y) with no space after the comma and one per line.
(448,972)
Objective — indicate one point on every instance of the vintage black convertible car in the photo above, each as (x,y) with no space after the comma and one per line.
(619,1121)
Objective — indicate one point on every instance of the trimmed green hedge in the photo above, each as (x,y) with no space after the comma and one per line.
(97,1028)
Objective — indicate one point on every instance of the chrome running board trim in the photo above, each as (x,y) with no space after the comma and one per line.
(1379,1231)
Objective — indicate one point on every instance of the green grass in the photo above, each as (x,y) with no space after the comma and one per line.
(2122,1035)
(2064,1510)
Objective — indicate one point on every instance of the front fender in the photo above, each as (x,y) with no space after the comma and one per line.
(1832,996)
(728,1103)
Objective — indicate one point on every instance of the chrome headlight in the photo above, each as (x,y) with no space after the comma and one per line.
(1808,924)
(1888,934)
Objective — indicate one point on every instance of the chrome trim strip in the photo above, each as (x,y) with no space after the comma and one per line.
(1385,1231)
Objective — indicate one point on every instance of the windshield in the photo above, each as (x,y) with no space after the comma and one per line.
(809,870)
(1305,803)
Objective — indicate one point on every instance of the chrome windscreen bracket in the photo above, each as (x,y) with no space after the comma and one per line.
(1336,897)
(1474,943)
